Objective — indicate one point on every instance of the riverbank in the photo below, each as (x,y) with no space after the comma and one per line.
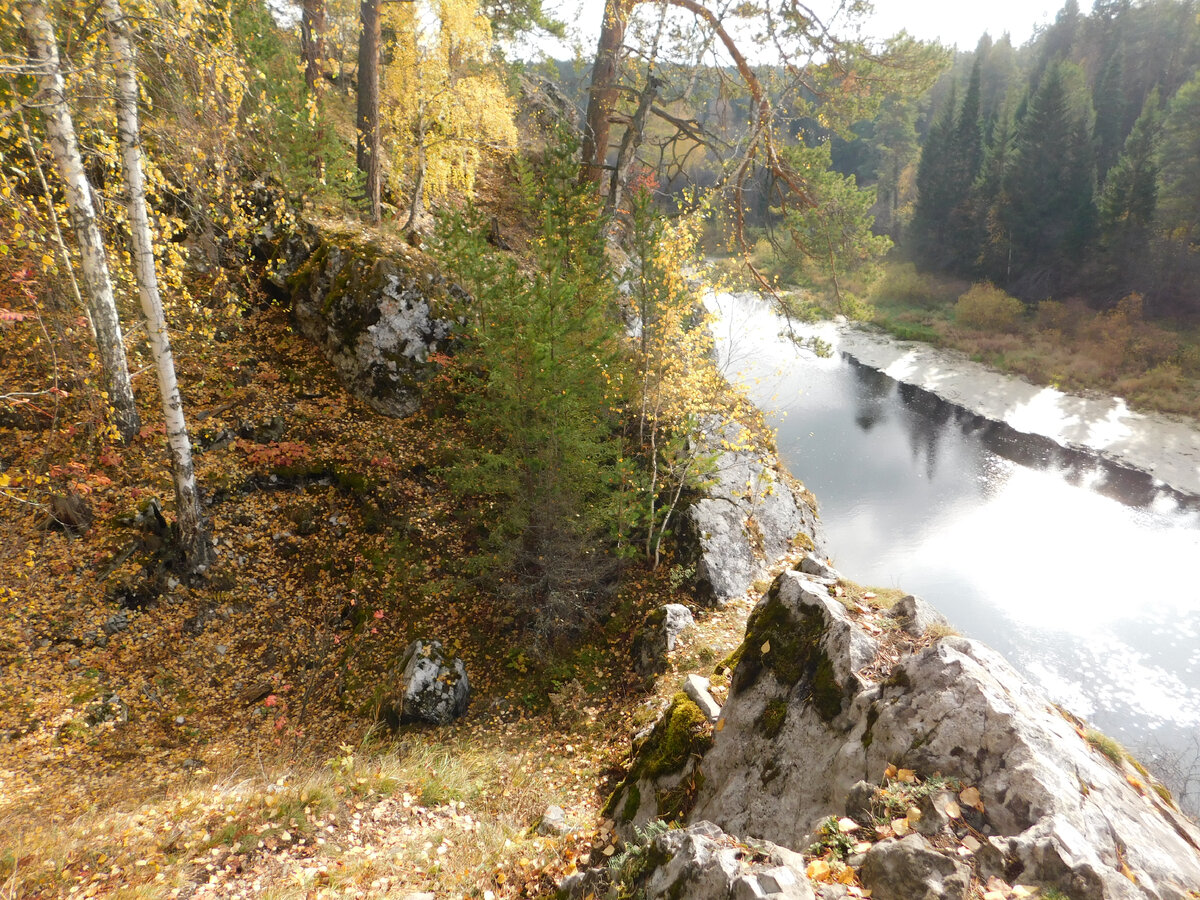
(1165,447)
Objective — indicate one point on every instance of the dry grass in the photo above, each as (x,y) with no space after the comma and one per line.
(1153,365)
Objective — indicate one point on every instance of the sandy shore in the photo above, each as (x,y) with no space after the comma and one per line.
(1164,447)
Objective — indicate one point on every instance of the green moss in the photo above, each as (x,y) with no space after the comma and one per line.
(770,723)
(804,542)
(789,646)
(633,802)
(868,736)
(899,678)
(1163,793)
(682,732)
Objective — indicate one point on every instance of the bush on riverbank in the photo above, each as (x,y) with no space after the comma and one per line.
(1154,366)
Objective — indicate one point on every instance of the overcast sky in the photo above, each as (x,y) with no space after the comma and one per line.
(957,22)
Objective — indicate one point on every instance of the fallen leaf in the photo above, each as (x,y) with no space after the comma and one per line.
(901,827)
(818,870)
(1021,891)
(610,850)
(890,772)
(913,815)
(908,776)
(970,797)
(994,895)
(846,876)
(952,809)
(847,825)
(971,843)
(862,847)
(766,647)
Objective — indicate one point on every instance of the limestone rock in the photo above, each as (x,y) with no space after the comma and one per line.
(813,565)
(433,688)
(916,616)
(751,516)
(696,687)
(658,636)
(371,311)
(554,821)
(702,863)
(1059,813)
(909,869)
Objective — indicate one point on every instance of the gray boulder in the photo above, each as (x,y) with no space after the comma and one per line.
(658,637)
(371,311)
(752,515)
(433,688)
(909,869)
(1059,813)
(916,616)
(702,863)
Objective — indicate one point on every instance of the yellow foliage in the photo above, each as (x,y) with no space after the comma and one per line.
(444,99)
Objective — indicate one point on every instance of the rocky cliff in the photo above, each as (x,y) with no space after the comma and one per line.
(891,756)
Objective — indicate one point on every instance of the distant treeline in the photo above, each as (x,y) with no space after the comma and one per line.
(1067,167)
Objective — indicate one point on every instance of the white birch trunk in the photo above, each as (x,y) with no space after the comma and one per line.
(60,131)
(193,535)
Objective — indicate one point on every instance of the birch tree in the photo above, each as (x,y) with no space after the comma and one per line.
(193,536)
(60,131)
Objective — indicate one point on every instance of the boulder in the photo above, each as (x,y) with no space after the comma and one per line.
(909,869)
(916,616)
(553,821)
(658,636)
(372,312)
(752,515)
(433,688)
(702,863)
(1058,813)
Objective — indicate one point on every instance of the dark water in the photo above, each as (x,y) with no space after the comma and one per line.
(1082,574)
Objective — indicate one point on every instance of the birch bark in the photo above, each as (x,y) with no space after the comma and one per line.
(193,535)
(60,132)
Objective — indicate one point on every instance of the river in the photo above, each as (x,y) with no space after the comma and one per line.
(1082,573)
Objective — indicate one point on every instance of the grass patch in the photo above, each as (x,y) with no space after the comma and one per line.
(1106,745)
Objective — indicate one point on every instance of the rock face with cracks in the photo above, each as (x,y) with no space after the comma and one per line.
(752,515)
(371,312)
(1055,811)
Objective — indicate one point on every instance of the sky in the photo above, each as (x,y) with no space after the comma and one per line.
(957,22)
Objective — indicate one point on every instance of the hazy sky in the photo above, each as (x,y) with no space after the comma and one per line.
(958,22)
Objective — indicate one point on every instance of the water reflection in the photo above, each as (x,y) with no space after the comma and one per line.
(1077,570)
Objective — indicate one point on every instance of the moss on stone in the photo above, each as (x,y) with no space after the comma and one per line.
(633,802)
(682,732)
(868,736)
(770,723)
(789,646)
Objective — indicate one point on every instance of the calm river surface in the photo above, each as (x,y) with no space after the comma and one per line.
(1083,575)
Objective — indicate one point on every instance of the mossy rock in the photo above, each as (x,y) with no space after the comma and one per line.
(789,646)
(682,732)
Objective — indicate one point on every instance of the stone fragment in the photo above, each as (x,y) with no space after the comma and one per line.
(909,869)
(696,687)
(916,616)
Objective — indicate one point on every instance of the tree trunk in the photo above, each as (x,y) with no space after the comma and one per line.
(312,41)
(630,142)
(369,139)
(60,131)
(602,96)
(193,535)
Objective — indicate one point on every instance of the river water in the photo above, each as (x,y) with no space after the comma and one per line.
(1084,575)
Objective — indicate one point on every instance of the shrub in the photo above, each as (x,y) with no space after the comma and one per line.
(987,308)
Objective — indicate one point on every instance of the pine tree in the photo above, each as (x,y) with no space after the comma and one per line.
(1179,186)
(1129,198)
(1050,187)
(935,198)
